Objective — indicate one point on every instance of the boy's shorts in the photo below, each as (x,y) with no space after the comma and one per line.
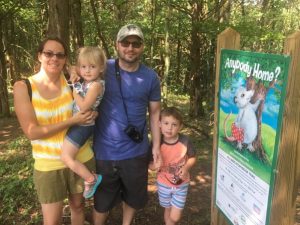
(123,180)
(55,186)
(78,135)
(172,196)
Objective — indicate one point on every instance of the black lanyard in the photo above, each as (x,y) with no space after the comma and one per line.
(118,76)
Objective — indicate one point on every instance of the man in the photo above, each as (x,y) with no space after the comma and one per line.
(120,137)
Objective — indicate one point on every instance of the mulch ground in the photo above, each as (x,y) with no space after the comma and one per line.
(197,210)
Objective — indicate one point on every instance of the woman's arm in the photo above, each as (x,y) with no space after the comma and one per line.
(28,121)
(85,103)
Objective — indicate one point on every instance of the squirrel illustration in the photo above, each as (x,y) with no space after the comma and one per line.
(244,128)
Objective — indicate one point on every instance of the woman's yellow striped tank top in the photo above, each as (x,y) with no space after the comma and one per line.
(47,151)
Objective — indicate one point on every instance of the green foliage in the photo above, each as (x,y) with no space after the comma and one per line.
(18,198)
(262,29)
(180,101)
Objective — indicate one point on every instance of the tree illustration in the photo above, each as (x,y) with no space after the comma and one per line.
(259,88)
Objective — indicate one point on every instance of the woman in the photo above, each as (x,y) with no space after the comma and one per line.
(45,119)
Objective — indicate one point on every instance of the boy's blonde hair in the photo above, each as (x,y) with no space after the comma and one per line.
(94,55)
(172,111)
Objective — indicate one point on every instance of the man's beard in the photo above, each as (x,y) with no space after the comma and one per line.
(129,61)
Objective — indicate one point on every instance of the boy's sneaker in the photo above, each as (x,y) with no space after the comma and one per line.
(90,188)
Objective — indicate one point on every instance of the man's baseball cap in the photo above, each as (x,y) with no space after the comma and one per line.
(129,30)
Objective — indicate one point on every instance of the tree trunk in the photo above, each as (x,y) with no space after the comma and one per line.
(177,79)
(153,25)
(196,108)
(77,33)
(224,11)
(259,88)
(98,28)
(4,104)
(59,20)
(165,81)
(13,65)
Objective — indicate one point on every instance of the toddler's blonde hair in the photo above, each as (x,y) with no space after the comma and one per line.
(94,55)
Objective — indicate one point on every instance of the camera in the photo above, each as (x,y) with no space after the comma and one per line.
(134,133)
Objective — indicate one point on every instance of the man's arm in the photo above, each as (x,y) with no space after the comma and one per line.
(154,112)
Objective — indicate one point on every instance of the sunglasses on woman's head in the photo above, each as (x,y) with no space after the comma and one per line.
(52,54)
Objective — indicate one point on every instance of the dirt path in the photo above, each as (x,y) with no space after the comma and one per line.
(197,210)
(9,129)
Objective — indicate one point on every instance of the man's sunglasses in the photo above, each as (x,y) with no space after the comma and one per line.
(51,54)
(134,44)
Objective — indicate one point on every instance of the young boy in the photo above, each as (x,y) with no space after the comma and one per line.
(178,157)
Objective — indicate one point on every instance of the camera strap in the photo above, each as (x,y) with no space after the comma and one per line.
(118,76)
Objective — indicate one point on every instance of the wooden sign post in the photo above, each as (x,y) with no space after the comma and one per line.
(284,179)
